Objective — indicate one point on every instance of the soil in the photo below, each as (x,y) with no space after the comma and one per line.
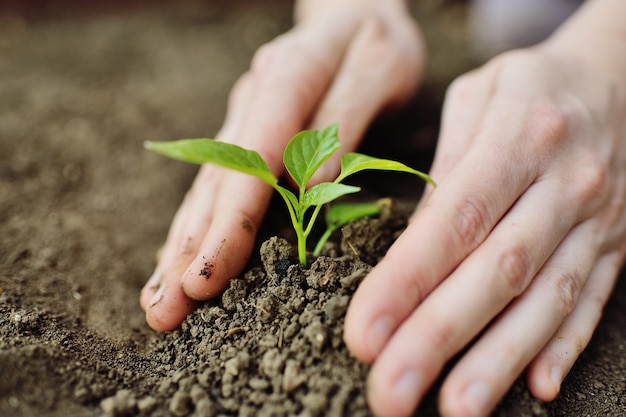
(83,209)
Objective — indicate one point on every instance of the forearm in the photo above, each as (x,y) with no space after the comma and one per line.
(597,32)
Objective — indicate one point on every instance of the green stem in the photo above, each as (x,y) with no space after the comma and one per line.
(290,208)
(312,219)
(301,247)
(323,239)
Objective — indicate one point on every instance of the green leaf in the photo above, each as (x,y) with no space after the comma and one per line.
(201,151)
(326,192)
(307,151)
(340,214)
(288,196)
(352,163)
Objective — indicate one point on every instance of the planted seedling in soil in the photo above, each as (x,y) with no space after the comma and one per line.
(339,214)
(303,156)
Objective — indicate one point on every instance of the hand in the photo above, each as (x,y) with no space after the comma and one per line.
(344,63)
(516,252)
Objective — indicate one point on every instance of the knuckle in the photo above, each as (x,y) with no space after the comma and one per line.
(249,222)
(462,89)
(441,337)
(574,339)
(470,222)
(593,181)
(292,69)
(273,155)
(263,57)
(547,124)
(514,267)
(567,289)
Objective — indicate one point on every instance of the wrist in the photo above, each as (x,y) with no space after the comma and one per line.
(596,35)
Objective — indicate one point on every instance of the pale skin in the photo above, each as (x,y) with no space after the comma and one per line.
(521,242)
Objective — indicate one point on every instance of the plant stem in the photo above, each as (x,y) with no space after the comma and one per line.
(323,239)
(301,246)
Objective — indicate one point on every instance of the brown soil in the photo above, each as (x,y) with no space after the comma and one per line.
(83,209)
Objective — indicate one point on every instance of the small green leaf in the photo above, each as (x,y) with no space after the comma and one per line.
(201,151)
(326,192)
(352,163)
(340,214)
(307,151)
(288,196)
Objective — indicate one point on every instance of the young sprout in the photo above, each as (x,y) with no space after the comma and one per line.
(303,156)
(340,214)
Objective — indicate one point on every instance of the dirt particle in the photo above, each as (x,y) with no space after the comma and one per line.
(121,404)
(258,384)
(282,265)
(315,403)
(293,376)
(205,407)
(317,334)
(234,294)
(353,280)
(272,363)
(276,251)
(207,270)
(146,404)
(180,404)
(336,307)
(247,226)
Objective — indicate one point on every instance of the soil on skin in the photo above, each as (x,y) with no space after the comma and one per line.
(83,209)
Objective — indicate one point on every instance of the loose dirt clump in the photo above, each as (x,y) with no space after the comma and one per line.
(271,346)
(83,210)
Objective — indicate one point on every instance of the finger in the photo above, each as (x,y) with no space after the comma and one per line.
(477,291)
(373,75)
(191,222)
(486,372)
(165,256)
(286,91)
(226,247)
(291,75)
(267,107)
(464,105)
(455,220)
(167,305)
(547,371)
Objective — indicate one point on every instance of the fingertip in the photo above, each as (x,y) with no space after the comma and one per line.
(220,259)
(394,397)
(202,281)
(168,308)
(370,320)
(148,291)
(366,339)
(544,382)
(353,333)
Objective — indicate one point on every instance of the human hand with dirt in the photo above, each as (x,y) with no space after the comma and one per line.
(513,257)
(344,61)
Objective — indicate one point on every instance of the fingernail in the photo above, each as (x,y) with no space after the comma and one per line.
(408,387)
(477,398)
(154,281)
(158,296)
(379,333)
(556,374)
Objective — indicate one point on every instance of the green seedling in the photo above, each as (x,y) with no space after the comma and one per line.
(303,156)
(340,214)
